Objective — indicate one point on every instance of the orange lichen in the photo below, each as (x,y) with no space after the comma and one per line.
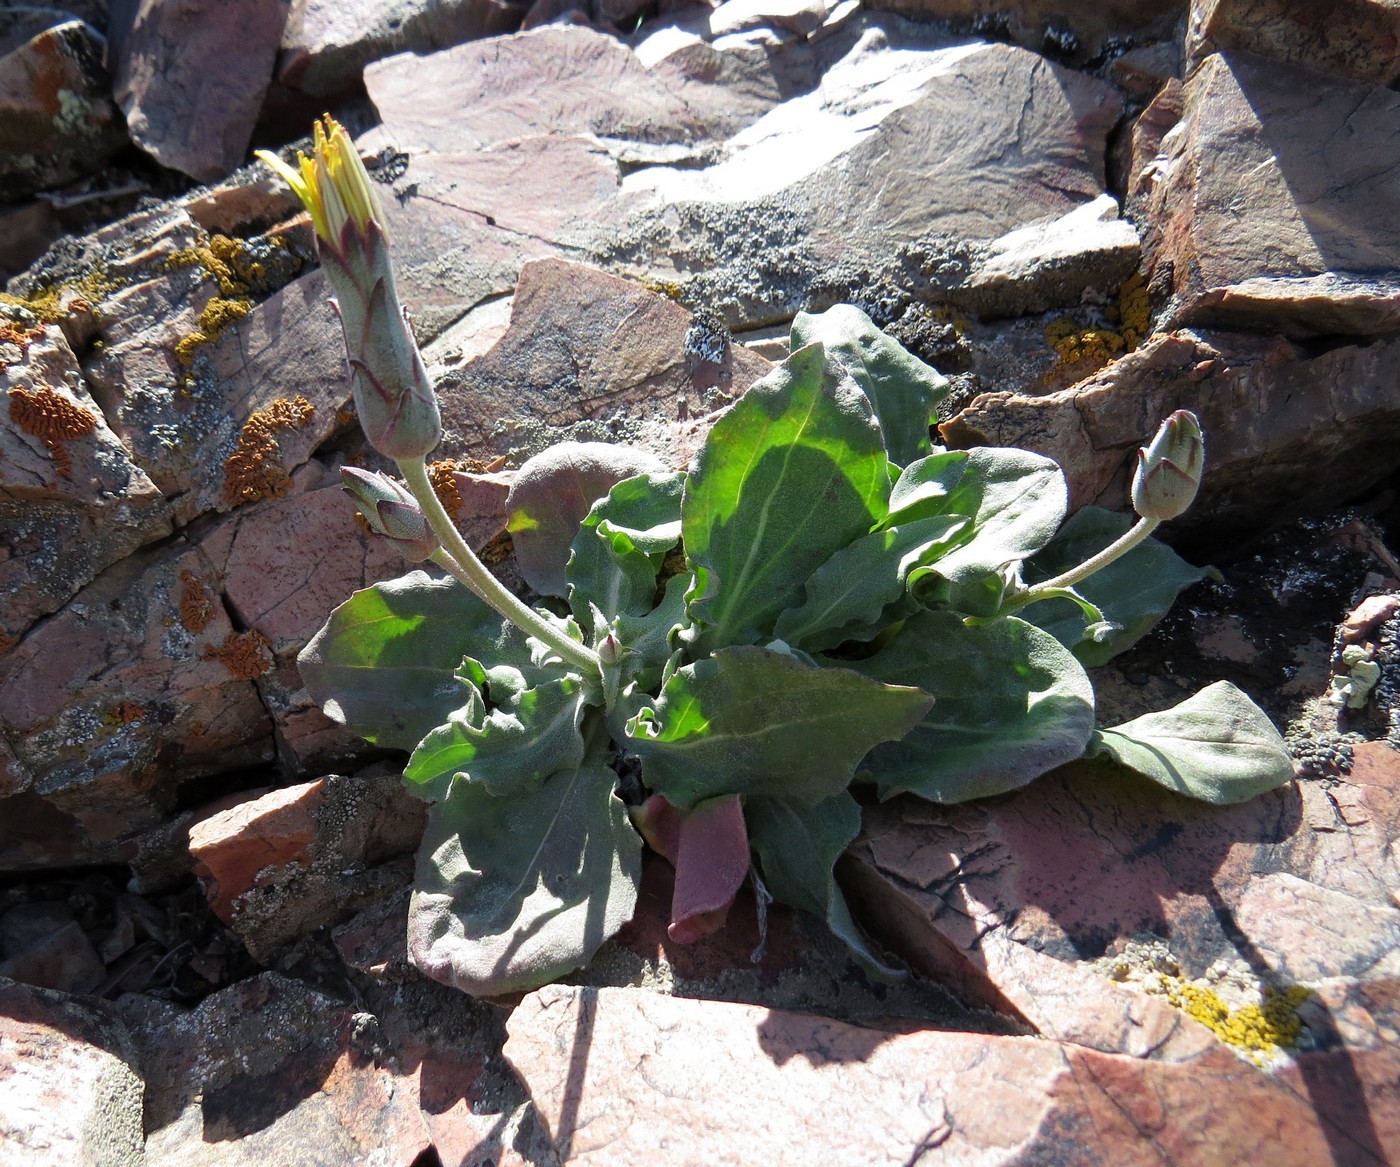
(253,471)
(445,485)
(22,338)
(123,713)
(53,419)
(196,606)
(498,550)
(246,655)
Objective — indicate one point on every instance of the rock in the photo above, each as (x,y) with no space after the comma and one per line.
(1075,33)
(1141,72)
(592,357)
(851,191)
(271,1071)
(140,683)
(1017,893)
(622,1075)
(60,957)
(1334,441)
(1310,156)
(325,46)
(26,229)
(57,119)
(71,1095)
(190,78)
(283,863)
(1359,39)
(1145,141)
(72,501)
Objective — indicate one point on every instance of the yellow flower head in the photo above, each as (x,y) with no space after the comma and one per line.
(333,183)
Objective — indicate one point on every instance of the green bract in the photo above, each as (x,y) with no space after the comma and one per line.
(825,598)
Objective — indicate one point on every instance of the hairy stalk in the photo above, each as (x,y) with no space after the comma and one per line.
(1115,550)
(459,559)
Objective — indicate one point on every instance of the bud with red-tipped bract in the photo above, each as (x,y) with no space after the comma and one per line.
(393,395)
(1169,468)
(391,511)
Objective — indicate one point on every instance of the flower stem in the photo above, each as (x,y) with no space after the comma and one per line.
(1115,550)
(460,560)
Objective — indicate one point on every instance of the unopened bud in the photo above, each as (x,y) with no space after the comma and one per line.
(609,649)
(1169,468)
(390,510)
(393,396)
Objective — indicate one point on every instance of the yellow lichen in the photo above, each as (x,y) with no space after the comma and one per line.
(235,272)
(1259,1030)
(253,471)
(54,302)
(53,419)
(1083,348)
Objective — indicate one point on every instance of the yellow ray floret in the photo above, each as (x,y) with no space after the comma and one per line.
(332,183)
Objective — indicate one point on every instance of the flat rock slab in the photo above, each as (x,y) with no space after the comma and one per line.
(1313,159)
(592,357)
(1011,897)
(622,1076)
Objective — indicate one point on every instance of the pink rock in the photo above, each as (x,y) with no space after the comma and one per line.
(57,120)
(282,863)
(587,351)
(326,45)
(270,1071)
(1012,895)
(621,1076)
(1336,436)
(1358,38)
(71,1093)
(62,959)
(1309,155)
(190,76)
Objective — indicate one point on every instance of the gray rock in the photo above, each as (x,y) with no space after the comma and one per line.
(57,118)
(1313,159)
(190,77)
(71,1093)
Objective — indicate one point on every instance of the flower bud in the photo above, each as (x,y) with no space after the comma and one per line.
(390,510)
(393,395)
(1169,468)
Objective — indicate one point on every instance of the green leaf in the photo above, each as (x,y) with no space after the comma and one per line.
(924,486)
(1135,591)
(383,665)
(798,845)
(789,475)
(754,721)
(513,892)
(550,496)
(509,750)
(902,389)
(1016,501)
(847,595)
(1217,746)
(1009,704)
(646,640)
(620,545)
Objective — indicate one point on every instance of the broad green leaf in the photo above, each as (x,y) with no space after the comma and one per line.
(923,486)
(1016,501)
(1217,746)
(798,845)
(789,475)
(1009,704)
(902,389)
(620,545)
(847,594)
(383,665)
(754,721)
(509,750)
(1135,591)
(513,892)
(550,496)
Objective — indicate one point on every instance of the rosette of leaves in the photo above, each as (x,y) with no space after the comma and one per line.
(824,598)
